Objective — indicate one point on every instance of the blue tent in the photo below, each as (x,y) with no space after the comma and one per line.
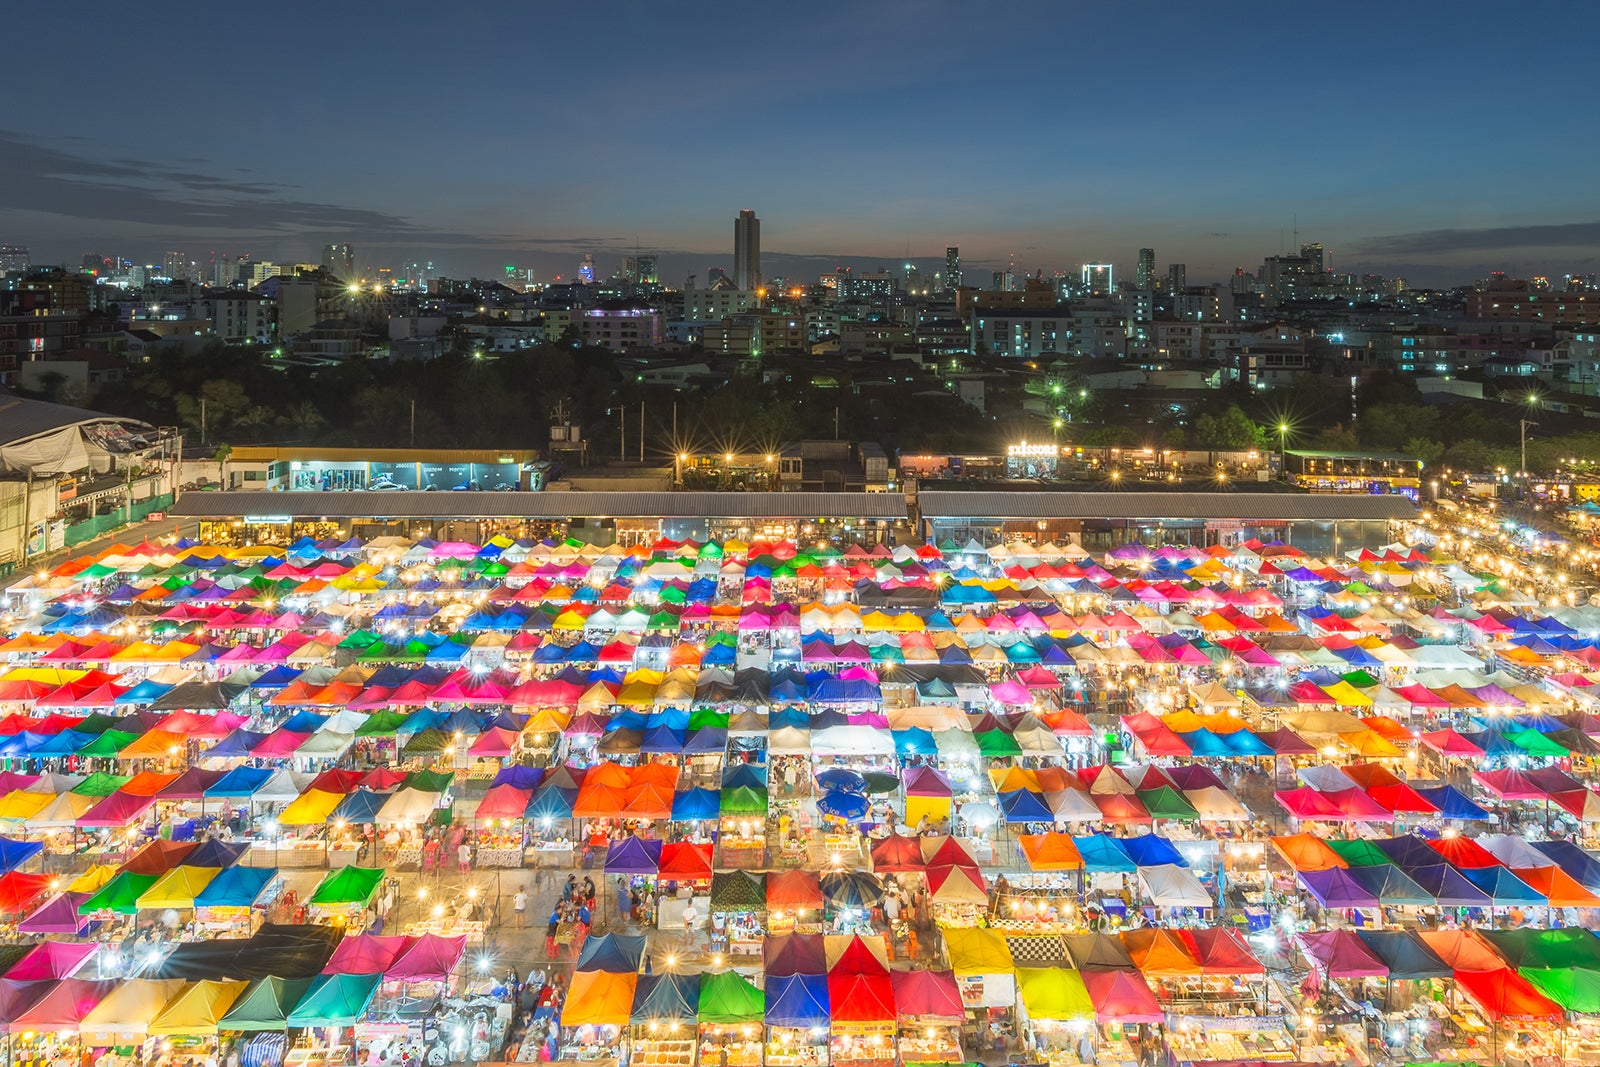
(1104,854)
(551,802)
(634,855)
(696,803)
(1503,887)
(237,744)
(799,1000)
(662,739)
(14,853)
(216,853)
(1152,850)
(1246,743)
(751,775)
(914,742)
(236,887)
(706,739)
(1205,742)
(612,953)
(303,722)
(1584,868)
(1451,802)
(143,693)
(1390,885)
(518,777)
(1023,805)
(1449,886)
(240,783)
(360,807)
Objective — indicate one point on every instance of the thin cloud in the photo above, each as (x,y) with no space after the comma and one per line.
(1435,242)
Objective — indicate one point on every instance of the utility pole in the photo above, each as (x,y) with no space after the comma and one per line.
(202,420)
(641,431)
(413,424)
(622,432)
(1525,423)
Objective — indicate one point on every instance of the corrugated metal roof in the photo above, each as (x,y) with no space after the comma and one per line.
(558,505)
(1303,506)
(22,418)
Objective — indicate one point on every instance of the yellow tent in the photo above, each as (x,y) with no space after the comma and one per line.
(311,808)
(1346,695)
(977,950)
(128,1009)
(20,804)
(93,878)
(197,1010)
(1054,993)
(178,887)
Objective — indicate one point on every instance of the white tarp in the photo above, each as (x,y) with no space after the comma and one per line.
(1170,886)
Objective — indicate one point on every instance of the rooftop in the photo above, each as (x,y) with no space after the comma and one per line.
(1327,507)
(549,505)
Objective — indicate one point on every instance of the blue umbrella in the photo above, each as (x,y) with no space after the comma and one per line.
(843,805)
(842,778)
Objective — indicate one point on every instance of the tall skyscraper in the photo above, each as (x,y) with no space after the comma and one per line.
(952,267)
(747,250)
(586,270)
(1097,278)
(1145,275)
(14,259)
(1177,278)
(641,269)
(339,260)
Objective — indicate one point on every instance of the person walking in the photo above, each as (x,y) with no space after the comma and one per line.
(519,904)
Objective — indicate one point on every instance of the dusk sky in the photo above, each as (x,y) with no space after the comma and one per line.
(1433,141)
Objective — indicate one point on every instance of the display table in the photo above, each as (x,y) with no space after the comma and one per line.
(473,930)
(658,1053)
(499,857)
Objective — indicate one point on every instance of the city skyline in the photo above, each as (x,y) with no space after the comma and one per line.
(870,134)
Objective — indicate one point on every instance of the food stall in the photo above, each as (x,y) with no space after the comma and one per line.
(598,1007)
(731,1015)
(797,1015)
(661,1030)
(929,1014)
(1057,1013)
(738,905)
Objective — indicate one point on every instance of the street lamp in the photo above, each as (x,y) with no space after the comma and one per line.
(1283,440)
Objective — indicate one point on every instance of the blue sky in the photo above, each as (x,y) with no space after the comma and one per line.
(1438,141)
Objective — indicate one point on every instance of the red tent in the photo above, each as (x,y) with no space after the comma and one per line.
(1464,852)
(861,998)
(685,861)
(1505,994)
(1121,996)
(783,955)
(19,891)
(64,1007)
(795,890)
(927,995)
(1307,803)
(1221,950)
(897,853)
(159,857)
(857,958)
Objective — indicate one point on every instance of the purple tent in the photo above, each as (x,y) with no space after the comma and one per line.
(636,855)
(58,915)
(1334,888)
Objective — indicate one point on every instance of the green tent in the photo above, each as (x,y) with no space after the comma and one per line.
(1358,853)
(97,723)
(1532,742)
(1165,802)
(384,723)
(428,781)
(738,891)
(120,895)
(101,784)
(265,1005)
(358,639)
(993,743)
(379,650)
(335,1000)
(729,999)
(887,654)
(708,718)
(1361,679)
(429,742)
(347,885)
(744,800)
(1530,948)
(107,745)
(710,550)
(1574,988)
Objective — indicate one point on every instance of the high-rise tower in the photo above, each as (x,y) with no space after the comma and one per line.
(747,250)
(1144,275)
(952,267)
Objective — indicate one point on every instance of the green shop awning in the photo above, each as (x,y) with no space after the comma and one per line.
(728,999)
(744,800)
(348,885)
(120,895)
(738,891)
(265,1005)
(335,1000)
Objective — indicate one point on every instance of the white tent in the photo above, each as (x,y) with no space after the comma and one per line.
(1217,805)
(1072,805)
(1170,886)
(863,740)
(407,807)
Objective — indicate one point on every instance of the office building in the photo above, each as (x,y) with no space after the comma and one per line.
(339,260)
(641,270)
(14,259)
(1144,275)
(1177,278)
(1097,278)
(952,268)
(747,250)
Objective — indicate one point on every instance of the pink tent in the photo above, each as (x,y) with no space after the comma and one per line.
(1341,954)
(430,959)
(367,954)
(118,809)
(504,802)
(1011,692)
(51,960)
(1121,996)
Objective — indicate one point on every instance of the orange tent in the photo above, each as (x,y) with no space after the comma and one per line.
(1160,953)
(1563,890)
(1051,852)
(599,998)
(1307,852)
